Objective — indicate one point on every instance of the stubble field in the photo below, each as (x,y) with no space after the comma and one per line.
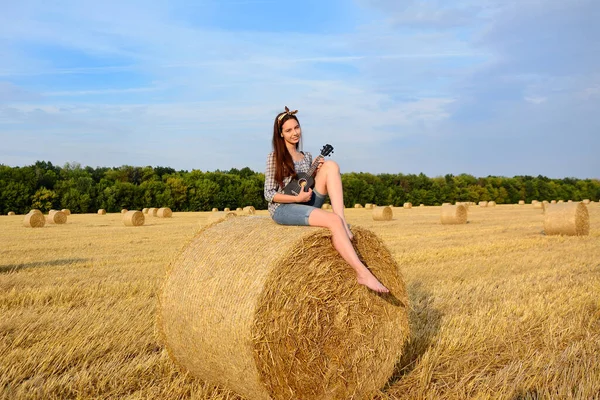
(498,310)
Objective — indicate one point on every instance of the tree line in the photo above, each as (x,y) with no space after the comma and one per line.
(85,189)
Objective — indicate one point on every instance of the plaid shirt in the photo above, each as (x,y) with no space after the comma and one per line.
(272,187)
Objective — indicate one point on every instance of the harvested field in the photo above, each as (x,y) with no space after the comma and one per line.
(498,310)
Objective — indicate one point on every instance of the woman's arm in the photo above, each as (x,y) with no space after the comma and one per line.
(272,187)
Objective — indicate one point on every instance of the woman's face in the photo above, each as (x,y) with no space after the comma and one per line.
(291,131)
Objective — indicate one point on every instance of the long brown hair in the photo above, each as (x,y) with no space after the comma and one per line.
(284,164)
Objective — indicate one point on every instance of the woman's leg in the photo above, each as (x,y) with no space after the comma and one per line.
(329,181)
(342,244)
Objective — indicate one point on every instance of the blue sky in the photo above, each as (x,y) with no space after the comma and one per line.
(485,87)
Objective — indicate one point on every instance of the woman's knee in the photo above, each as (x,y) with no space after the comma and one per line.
(331,165)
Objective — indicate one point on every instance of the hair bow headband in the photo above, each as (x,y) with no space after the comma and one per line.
(286,112)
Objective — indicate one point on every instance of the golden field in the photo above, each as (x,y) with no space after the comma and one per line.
(498,310)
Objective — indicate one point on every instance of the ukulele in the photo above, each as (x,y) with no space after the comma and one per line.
(305,180)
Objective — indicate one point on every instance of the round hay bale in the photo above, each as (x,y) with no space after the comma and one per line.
(226,209)
(421,205)
(585,201)
(569,201)
(407,205)
(446,204)
(134,218)
(368,206)
(249,210)
(553,202)
(102,211)
(124,210)
(11,213)
(521,202)
(164,212)
(567,219)
(34,211)
(215,209)
(145,210)
(483,204)
(454,214)
(358,206)
(491,204)
(220,216)
(56,217)
(384,213)
(560,202)
(66,211)
(34,220)
(298,326)
(538,205)
(239,209)
(326,206)
(152,211)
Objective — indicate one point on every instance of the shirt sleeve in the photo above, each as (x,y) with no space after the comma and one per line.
(271,186)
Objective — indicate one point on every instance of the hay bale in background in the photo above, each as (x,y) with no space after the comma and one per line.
(249,210)
(299,325)
(215,209)
(358,206)
(34,220)
(560,202)
(226,209)
(11,213)
(134,218)
(220,216)
(326,206)
(384,213)
(368,206)
(102,211)
(464,203)
(483,204)
(446,204)
(145,210)
(152,211)
(538,205)
(586,201)
(124,210)
(521,202)
(239,209)
(569,201)
(421,205)
(407,205)
(567,219)
(491,204)
(164,212)
(553,202)
(34,211)
(454,214)
(66,211)
(56,217)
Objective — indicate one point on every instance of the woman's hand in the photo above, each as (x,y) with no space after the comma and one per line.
(321,161)
(303,196)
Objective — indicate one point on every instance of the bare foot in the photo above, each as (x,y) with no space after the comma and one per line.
(372,283)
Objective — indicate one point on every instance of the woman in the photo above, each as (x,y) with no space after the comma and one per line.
(305,209)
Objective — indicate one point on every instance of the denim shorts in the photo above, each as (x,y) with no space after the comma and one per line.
(297,213)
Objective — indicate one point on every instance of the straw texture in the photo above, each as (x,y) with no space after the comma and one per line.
(34,220)
(384,213)
(102,211)
(538,204)
(145,210)
(226,209)
(34,211)
(567,219)
(249,210)
(452,215)
(56,217)
(483,204)
(152,211)
(164,212)
(586,201)
(220,216)
(358,206)
(521,202)
(124,210)
(11,213)
(215,209)
(272,311)
(368,206)
(407,205)
(66,211)
(134,218)
(491,204)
